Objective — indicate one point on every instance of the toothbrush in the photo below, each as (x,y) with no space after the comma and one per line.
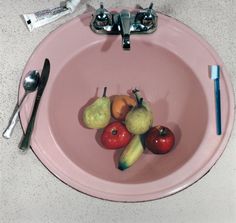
(215,75)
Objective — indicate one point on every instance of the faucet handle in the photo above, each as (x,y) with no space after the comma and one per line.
(150,17)
(102,17)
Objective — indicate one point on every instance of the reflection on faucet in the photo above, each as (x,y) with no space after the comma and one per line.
(142,22)
(125,24)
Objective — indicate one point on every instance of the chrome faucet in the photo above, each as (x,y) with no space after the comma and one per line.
(125,22)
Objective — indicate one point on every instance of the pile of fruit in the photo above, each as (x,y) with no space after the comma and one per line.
(132,128)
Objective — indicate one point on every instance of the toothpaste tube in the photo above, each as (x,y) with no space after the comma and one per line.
(46,16)
(72,4)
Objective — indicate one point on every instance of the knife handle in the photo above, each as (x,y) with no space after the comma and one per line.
(24,145)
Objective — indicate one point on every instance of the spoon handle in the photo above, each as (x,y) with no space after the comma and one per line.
(13,120)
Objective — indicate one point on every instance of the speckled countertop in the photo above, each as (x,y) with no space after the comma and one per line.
(30,193)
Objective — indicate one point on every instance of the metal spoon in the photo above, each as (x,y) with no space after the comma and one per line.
(30,84)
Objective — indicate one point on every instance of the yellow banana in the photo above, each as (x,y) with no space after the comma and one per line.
(132,152)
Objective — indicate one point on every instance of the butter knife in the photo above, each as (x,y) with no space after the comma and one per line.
(42,84)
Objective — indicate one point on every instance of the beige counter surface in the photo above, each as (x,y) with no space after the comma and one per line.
(30,193)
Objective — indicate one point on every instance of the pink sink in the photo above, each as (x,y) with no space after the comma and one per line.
(170,67)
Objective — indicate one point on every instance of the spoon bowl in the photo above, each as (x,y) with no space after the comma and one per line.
(31,81)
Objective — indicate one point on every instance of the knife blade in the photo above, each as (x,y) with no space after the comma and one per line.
(43,82)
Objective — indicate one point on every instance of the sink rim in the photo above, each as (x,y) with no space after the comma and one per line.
(111,196)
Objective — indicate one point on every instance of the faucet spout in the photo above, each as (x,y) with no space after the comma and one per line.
(125,25)
(126,42)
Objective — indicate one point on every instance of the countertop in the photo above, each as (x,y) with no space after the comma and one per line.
(30,193)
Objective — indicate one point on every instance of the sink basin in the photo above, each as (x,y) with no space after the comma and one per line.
(171,69)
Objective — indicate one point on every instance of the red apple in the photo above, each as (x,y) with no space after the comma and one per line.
(159,139)
(115,136)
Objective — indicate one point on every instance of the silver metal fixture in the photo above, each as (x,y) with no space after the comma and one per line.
(125,22)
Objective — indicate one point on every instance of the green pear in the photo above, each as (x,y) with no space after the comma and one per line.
(138,97)
(140,118)
(98,114)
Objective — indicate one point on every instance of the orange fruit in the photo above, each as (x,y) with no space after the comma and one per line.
(121,105)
